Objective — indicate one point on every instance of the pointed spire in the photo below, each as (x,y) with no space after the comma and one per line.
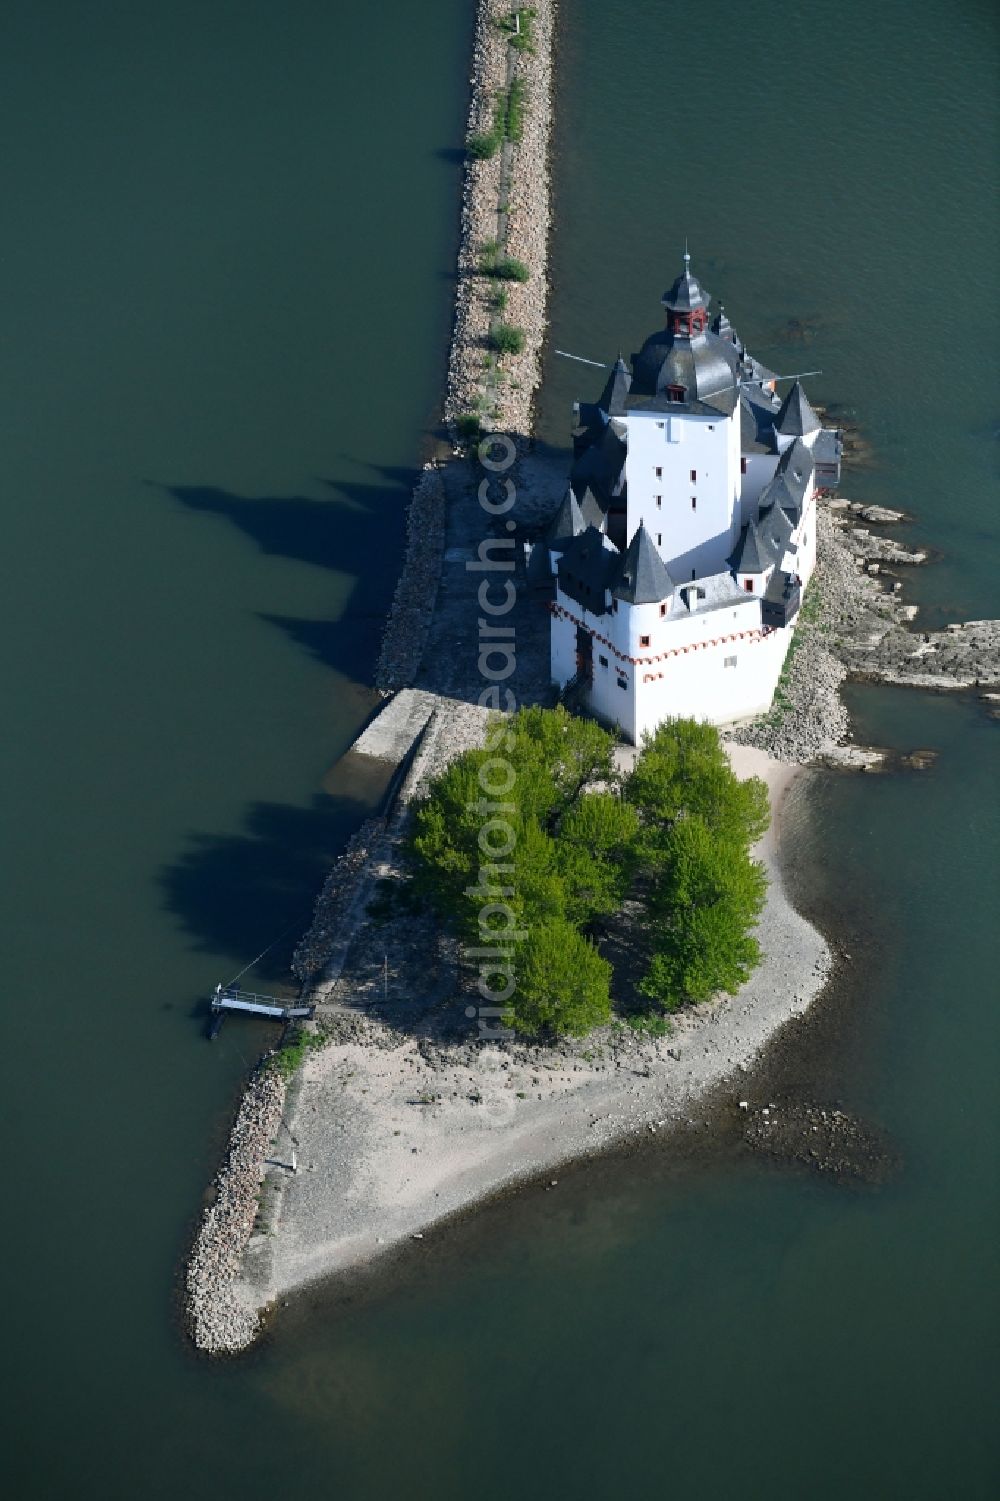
(567,522)
(591,510)
(796,418)
(619,383)
(641,577)
(685,295)
(751,555)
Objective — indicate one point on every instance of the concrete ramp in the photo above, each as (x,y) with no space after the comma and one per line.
(391,734)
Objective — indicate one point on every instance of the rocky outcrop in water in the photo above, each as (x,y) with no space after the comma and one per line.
(825,1140)
(854,624)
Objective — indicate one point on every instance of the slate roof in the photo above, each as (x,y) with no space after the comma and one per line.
(598,466)
(585,569)
(796,418)
(685,294)
(780,588)
(704,365)
(567,522)
(641,577)
(619,383)
(538,571)
(716,591)
(592,512)
(755,427)
(787,486)
(591,424)
(828,447)
(722,326)
(751,555)
(774,531)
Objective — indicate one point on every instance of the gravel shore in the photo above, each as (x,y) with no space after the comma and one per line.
(397,1132)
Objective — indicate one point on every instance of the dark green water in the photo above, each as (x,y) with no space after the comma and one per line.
(226,301)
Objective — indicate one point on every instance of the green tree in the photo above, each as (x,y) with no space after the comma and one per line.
(562,983)
(595,848)
(571,751)
(706,898)
(547,757)
(683,771)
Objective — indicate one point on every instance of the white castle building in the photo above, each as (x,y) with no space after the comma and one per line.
(688,532)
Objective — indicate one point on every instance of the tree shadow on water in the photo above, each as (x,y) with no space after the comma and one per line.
(236,893)
(357,532)
(349,645)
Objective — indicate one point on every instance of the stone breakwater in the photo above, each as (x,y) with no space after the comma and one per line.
(220,1321)
(412,611)
(505,199)
(312,954)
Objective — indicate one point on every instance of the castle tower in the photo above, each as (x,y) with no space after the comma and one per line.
(682,411)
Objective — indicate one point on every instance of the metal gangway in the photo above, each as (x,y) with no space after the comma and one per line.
(226,998)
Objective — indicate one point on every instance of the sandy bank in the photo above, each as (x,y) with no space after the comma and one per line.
(395,1135)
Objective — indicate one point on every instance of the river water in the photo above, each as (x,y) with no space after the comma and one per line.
(226,287)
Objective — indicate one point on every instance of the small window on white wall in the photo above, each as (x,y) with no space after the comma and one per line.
(729,662)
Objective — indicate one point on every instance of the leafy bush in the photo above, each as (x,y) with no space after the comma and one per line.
(509,268)
(506,339)
(295,1046)
(484,144)
(468,426)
